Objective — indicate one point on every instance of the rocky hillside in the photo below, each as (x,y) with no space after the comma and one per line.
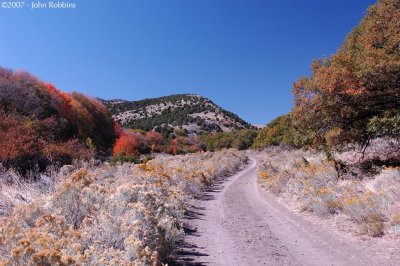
(192,112)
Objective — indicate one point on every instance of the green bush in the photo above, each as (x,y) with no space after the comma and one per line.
(282,131)
(241,140)
(121,158)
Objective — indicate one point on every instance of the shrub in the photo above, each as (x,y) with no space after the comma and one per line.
(63,153)
(155,140)
(308,181)
(372,225)
(240,139)
(126,145)
(366,210)
(274,133)
(182,145)
(112,215)
(30,144)
(121,158)
(18,140)
(395,218)
(93,120)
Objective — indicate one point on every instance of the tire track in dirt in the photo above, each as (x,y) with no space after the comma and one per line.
(234,223)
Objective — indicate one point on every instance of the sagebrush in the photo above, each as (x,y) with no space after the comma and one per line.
(112,215)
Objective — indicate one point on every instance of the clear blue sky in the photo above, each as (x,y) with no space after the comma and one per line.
(242,54)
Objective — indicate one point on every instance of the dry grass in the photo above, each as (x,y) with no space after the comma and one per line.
(308,181)
(112,215)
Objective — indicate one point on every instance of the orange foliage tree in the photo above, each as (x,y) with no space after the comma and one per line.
(93,120)
(354,96)
(61,101)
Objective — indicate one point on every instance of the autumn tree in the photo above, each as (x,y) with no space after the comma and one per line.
(30,144)
(354,96)
(93,120)
(183,145)
(18,141)
(155,140)
(277,132)
(23,94)
(126,145)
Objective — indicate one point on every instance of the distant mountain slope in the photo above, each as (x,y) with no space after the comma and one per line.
(192,112)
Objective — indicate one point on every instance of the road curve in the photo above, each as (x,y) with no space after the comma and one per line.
(234,223)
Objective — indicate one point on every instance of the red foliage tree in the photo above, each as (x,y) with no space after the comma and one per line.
(62,101)
(183,145)
(30,144)
(155,140)
(18,139)
(118,130)
(93,120)
(126,145)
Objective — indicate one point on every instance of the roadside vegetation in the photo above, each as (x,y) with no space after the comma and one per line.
(307,181)
(132,145)
(127,214)
(240,140)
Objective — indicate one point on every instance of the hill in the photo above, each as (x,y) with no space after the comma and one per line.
(191,112)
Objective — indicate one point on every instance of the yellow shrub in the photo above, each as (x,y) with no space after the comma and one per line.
(372,225)
(395,218)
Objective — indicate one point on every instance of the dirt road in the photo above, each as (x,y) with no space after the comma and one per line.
(236,224)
